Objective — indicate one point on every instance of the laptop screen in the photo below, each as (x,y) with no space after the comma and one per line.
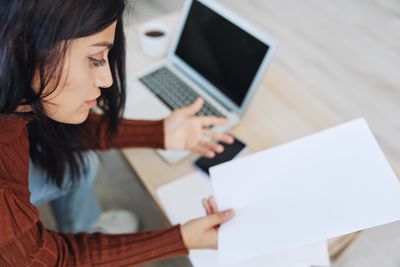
(224,54)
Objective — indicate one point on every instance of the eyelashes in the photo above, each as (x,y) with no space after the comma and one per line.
(98,62)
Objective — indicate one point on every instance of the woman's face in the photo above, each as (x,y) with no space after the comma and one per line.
(85,70)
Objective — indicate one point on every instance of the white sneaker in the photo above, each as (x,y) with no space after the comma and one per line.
(116,222)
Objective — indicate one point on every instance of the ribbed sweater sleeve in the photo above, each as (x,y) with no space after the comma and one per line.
(24,241)
(130,133)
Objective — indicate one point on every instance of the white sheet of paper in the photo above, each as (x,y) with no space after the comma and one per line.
(325,185)
(181,200)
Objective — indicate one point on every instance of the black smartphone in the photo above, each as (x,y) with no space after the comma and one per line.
(230,152)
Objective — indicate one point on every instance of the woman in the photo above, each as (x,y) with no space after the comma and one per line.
(58,59)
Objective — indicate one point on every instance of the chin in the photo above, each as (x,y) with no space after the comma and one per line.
(82,118)
(72,118)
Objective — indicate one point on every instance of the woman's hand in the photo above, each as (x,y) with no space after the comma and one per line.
(184,131)
(202,233)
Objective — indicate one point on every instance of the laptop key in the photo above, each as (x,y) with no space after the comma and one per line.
(173,92)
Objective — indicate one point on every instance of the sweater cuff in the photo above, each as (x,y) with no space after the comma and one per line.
(180,245)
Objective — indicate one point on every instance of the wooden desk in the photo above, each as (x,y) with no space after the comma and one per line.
(282,110)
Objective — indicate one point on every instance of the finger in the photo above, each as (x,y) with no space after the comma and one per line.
(211,146)
(213,204)
(206,206)
(212,210)
(193,108)
(212,120)
(218,218)
(226,138)
(203,151)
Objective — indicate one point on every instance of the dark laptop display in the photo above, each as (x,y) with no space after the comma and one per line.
(221,52)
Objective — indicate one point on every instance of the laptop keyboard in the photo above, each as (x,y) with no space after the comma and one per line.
(174,92)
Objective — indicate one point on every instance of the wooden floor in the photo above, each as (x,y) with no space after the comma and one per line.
(347,53)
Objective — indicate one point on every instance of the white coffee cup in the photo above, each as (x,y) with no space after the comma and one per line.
(154,39)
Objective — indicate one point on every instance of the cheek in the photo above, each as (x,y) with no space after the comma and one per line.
(79,83)
(67,103)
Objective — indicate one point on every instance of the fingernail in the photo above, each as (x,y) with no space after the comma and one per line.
(228,213)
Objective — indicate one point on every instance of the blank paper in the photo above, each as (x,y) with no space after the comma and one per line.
(322,186)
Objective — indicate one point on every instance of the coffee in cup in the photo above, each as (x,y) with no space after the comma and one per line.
(154,39)
(154,33)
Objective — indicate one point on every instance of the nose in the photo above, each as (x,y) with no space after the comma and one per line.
(104,77)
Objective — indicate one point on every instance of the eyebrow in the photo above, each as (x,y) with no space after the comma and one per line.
(105,44)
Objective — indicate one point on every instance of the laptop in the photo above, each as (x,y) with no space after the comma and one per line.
(216,55)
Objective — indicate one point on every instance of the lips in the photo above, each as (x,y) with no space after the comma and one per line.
(92,103)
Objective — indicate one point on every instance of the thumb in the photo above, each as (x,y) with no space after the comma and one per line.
(219,218)
(194,107)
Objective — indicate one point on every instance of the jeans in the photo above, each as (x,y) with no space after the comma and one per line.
(75,208)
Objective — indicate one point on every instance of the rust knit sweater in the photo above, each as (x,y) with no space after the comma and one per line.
(24,241)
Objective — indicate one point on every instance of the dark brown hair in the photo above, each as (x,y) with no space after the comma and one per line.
(34,36)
